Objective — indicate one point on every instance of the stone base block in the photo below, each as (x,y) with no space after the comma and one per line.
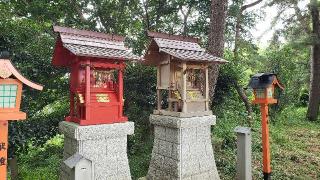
(182,148)
(105,146)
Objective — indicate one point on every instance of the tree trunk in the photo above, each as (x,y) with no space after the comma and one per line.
(13,165)
(216,39)
(238,26)
(146,17)
(245,100)
(237,39)
(314,96)
(185,19)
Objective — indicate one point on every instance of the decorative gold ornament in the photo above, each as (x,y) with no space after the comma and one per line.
(176,95)
(5,72)
(102,98)
(192,95)
(81,98)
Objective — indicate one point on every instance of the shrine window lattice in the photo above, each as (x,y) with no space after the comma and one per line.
(8,94)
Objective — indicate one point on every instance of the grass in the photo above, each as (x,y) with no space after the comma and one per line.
(41,163)
(295,149)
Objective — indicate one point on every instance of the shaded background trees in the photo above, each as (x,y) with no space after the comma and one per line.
(26,32)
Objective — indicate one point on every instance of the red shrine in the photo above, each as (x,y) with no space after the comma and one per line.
(96,62)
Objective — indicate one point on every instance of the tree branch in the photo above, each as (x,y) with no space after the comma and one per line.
(243,8)
(185,18)
(302,19)
(146,17)
(236,84)
(238,26)
(104,22)
(159,14)
(78,10)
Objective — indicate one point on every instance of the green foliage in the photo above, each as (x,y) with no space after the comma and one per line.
(30,42)
(26,32)
(37,129)
(139,160)
(140,98)
(293,143)
(291,65)
(41,162)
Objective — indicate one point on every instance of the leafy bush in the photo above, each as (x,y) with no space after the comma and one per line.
(41,162)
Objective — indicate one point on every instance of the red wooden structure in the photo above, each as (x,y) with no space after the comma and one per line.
(263,85)
(95,60)
(11,82)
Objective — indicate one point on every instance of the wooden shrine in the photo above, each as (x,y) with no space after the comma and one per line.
(11,82)
(182,74)
(96,62)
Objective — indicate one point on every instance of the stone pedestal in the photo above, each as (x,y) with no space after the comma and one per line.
(182,148)
(103,146)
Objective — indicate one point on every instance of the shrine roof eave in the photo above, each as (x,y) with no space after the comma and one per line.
(92,58)
(65,54)
(9,66)
(269,80)
(155,63)
(181,48)
(67,30)
(72,43)
(189,56)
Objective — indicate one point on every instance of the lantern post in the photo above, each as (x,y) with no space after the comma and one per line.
(11,82)
(3,149)
(263,85)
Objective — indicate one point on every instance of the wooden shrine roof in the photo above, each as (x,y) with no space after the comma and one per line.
(180,47)
(91,44)
(7,69)
(264,80)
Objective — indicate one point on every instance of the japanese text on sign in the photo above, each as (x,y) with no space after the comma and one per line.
(2,146)
(2,161)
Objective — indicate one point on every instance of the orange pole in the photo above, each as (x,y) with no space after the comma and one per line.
(3,149)
(265,142)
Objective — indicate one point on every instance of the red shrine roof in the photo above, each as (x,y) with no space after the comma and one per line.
(7,69)
(181,47)
(89,44)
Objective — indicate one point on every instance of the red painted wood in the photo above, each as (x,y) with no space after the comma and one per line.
(14,113)
(87,92)
(71,104)
(265,139)
(120,81)
(7,63)
(3,149)
(12,116)
(265,123)
(107,65)
(82,80)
